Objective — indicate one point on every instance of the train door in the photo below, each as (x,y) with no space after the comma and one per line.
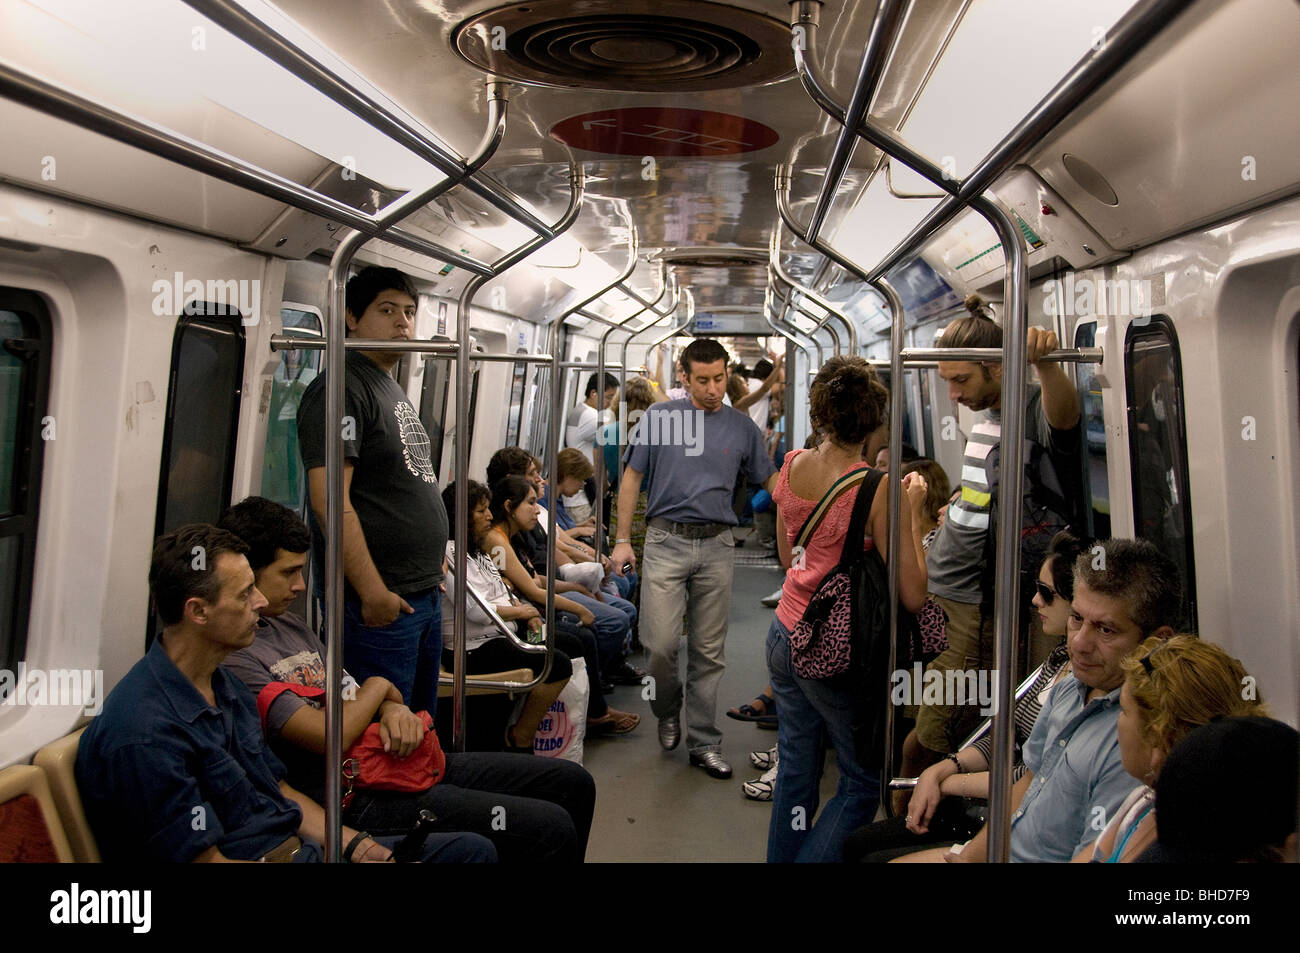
(203,394)
(1162,511)
(26,340)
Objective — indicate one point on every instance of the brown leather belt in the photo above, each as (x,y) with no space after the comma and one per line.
(688,530)
(283,853)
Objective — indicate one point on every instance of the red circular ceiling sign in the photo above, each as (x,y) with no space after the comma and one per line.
(663,131)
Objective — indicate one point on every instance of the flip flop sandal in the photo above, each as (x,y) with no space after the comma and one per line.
(766,722)
(750,713)
(614,726)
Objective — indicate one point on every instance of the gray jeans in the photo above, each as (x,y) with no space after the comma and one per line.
(687,579)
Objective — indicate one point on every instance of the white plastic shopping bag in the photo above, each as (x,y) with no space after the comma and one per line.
(562,731)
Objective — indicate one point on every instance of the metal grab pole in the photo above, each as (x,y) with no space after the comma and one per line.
(775,269)
(598,461)
(1011,488)
(895,478)
(913,356)
(622,423)
(336,366)
(884,29)
(275,47)
(556,327)
(576,190)
(143,134)
(1130,34)
(787,335)
(821,323)
(787,215)
(780,317)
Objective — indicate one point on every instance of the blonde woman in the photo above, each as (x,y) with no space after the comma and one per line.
(1171,687)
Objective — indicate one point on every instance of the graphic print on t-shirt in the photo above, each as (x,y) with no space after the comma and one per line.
(415,442)
(301,668)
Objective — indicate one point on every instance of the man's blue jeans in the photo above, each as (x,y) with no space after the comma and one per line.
(612,628)
(407,651)
(808,710)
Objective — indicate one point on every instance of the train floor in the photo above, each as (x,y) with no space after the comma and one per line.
(651,805)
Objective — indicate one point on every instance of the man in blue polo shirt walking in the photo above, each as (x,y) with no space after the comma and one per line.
(691,450)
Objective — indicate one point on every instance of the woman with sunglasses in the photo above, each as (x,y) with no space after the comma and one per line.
(1171,687)
(965,774)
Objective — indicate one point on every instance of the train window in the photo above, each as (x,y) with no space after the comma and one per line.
(202,413)
(909,431)
(283,477)
(517,385)
(923,378)
(1096,481)
(433,402)
(1162,511)
(25,339)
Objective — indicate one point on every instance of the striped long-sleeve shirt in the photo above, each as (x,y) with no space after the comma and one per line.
(955,561)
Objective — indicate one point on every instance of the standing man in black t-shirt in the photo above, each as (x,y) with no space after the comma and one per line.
(394,523)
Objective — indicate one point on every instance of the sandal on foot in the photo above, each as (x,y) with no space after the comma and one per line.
(612,723)
(762,707)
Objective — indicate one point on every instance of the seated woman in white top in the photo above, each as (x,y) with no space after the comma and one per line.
(1171,687)
(488,648)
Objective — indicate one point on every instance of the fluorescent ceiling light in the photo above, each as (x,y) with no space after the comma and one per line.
(876,223)
(1003,59)
(162,60)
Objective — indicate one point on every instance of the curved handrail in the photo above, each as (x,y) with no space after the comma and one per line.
(231,17)
(599,461)
(576,191)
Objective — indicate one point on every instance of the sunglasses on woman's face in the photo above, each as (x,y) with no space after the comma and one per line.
(1046,592)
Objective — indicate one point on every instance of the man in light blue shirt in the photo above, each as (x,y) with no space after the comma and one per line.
(1124,591)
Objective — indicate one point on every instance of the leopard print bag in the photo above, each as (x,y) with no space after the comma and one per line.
(821,645)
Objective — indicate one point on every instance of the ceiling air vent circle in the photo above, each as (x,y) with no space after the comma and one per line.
(628,45)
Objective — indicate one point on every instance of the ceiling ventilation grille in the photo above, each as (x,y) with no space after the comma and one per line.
(713,257)
(630,45)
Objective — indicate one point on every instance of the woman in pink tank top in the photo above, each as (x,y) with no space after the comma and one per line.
(847,406)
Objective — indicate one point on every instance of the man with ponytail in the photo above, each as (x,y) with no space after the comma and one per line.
(961,558)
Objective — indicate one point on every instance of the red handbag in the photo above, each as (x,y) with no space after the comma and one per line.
(366,764)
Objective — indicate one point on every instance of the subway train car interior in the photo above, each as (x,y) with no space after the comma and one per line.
(577,191)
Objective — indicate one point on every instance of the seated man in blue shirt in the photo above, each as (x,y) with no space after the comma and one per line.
(1124,592)
(175,769)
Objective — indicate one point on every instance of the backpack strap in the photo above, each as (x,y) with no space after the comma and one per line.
(837,489)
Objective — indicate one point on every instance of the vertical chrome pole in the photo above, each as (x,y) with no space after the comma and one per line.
(335,403)
(506,262)
(598,459)
(1010,493)
(622,423)
(895,513)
